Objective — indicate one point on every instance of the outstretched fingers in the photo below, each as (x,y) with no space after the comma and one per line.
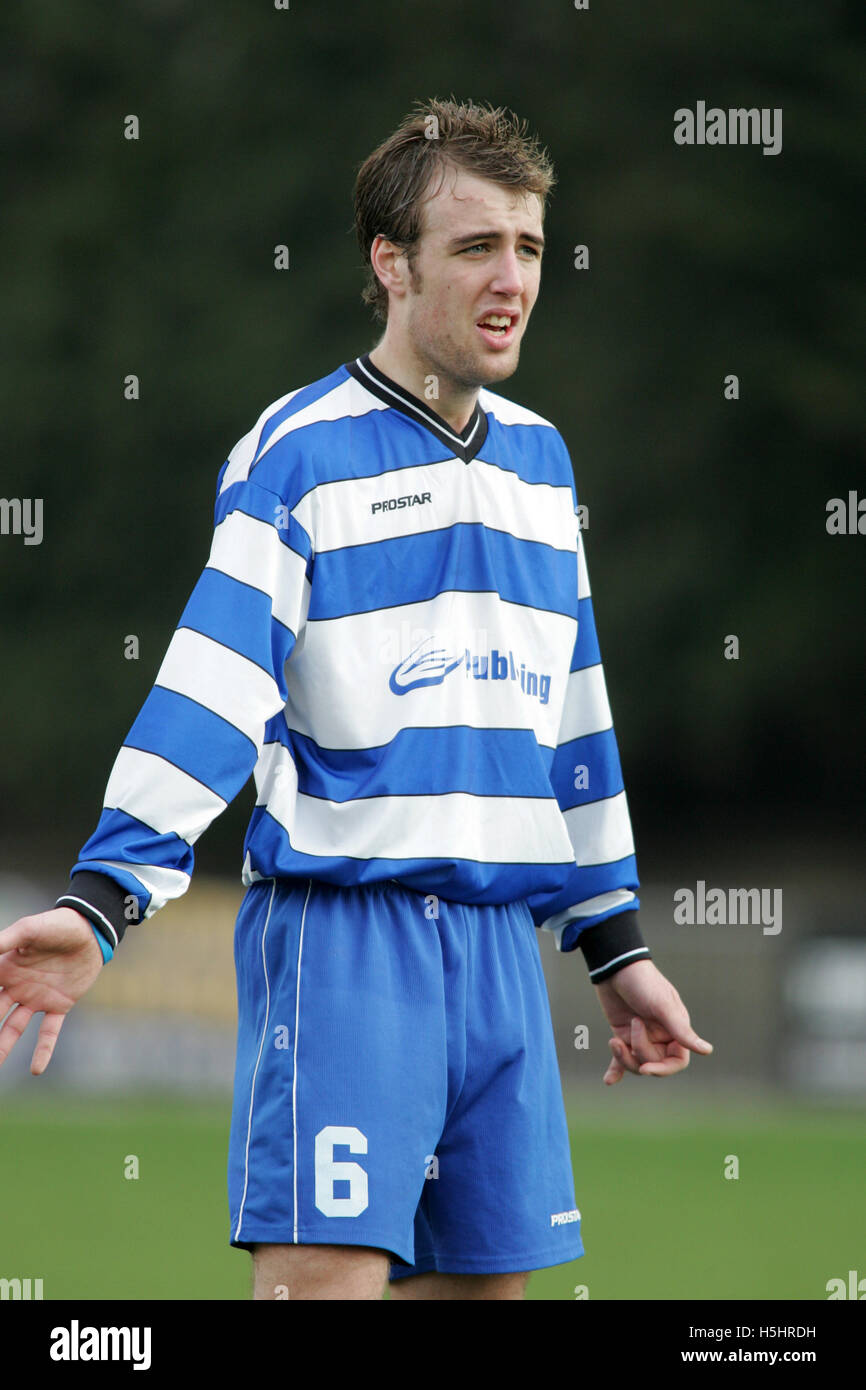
(44,1049)
(13,1027)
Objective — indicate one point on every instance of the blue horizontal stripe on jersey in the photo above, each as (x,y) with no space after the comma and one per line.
(390,441)
(471,880)
(426,762)
(193,738)
(412,569)
(584,883)
(598,753)
(354,446)
(528,450)
(586,649)
(238,616)
(122,837)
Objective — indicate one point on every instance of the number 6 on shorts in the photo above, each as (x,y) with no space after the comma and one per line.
(329,1172)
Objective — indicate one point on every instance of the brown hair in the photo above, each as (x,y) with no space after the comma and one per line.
(491,142)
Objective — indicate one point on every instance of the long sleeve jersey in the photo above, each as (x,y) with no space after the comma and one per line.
(394,634)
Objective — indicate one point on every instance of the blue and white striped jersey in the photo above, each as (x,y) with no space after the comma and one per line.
(394,633)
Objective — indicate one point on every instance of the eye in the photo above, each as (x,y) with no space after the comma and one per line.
(533,251)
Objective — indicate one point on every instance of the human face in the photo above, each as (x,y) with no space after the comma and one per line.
(479,254)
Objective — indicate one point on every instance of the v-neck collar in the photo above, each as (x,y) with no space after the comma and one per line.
(464,445)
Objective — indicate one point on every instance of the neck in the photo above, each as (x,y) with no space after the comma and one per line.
(453,401)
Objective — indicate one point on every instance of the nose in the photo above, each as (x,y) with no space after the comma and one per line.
(507,276)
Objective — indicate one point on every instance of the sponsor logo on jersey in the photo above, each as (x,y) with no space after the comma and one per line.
(393,504)
(428,664)
(564,1218)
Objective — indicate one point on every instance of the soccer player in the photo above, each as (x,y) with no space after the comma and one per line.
(394,633)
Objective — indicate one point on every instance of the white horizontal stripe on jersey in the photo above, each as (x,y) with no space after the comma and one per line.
(222,680)
(241,457)
(252,552)
(333,699)
(275,766)
(600,831)
(488,829)
(349,398)
(162,884)
(161,795)
(508,412)
(587,708)
(341,513)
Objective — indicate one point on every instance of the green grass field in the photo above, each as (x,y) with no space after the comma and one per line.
(660,1220)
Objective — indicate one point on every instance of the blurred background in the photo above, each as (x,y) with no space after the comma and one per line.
(707,518)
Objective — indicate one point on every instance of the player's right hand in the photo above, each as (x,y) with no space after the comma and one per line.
(47,962)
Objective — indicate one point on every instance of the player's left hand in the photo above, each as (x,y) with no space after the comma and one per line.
(652,1032)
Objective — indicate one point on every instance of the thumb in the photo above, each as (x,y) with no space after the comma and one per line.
(672,1018)
(689,1038)
(672,1015)
(19,934)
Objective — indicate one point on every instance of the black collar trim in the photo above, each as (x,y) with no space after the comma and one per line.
(464,445)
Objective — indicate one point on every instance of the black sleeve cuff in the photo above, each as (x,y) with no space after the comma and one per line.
(613,944)
(102,901)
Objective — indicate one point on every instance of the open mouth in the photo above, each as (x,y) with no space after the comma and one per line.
(497,327)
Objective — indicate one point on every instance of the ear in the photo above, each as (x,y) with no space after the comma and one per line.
(391,265)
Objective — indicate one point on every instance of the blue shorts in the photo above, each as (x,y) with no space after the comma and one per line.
(397,1084)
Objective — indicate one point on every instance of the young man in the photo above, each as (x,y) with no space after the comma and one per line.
(394,633)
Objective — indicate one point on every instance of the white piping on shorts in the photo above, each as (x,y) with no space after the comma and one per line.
(295,1067)
(258,1060)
